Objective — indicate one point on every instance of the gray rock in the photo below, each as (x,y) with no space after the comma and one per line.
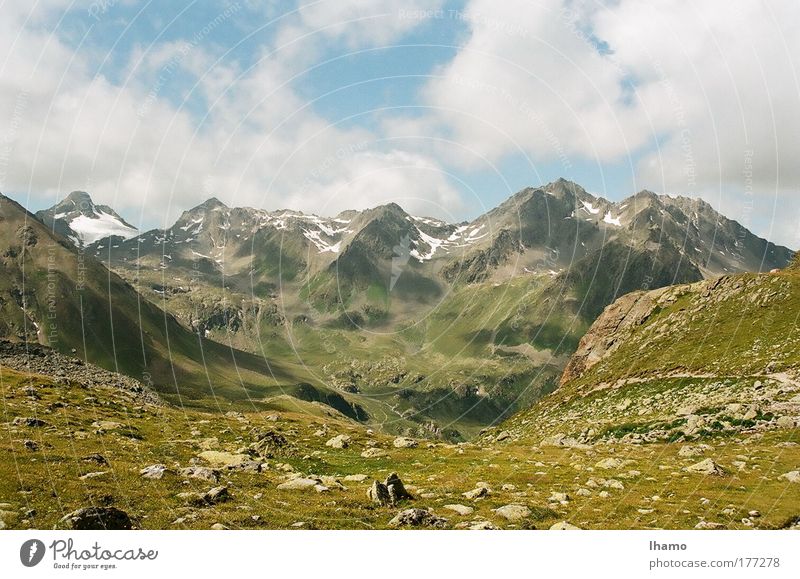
(706,467)
(154,471)
(300,484)
(404,442)
(98,519)
(200,472)
(564,526)
(397,491)
(505,435)
(373,453)
(417,518)
(792,476)
(476,493)
(340,441)
(379,494)
(513,513)
(462,510)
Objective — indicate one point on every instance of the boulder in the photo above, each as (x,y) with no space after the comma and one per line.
(397,491)
(505,435)
(340,441)
(303,484)
(417,518)
(792,476)
(706,467)
(404,442)
(98,519)
(513,513)
(379,494)
(564,526)
(373,453)
(200,472)
(476,493)
(462,510)
(224,459)
(154,471)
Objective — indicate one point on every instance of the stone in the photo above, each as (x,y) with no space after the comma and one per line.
(505,435)
(513,513)
(31,445)
(356,478)
(417,518)
(103,425)
(609,463)
(786,422)
(154,471)
(709,525)
(216,495)
(224,459)
(378,494)
(218,527)
(462,510)
(91,475)
(95,458)
(299,484)
(706,467)
(404,442)
(482,526)
(564,526)
(476,493)
(689,451)
(200,472)
(792,476)
(30,422)
(269,443)
(397,491)
(340,441)
(98,519)
(373,453)
(562,498)
(390,492)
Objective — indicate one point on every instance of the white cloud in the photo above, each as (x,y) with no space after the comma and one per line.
(713,84)
(150,157)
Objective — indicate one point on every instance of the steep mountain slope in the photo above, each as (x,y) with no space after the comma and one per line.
(53,294)
(434,328)
(706,361)
(83,222)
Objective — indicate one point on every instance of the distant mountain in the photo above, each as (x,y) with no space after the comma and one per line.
(83,222)
(433,327)
(52,294)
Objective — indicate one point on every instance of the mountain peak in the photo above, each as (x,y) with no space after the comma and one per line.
(212,203)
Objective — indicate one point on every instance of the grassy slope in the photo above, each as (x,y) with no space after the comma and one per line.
(47,480)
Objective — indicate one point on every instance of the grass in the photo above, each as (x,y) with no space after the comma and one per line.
(47,482)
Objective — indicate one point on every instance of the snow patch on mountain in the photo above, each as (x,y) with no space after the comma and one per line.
(91,229)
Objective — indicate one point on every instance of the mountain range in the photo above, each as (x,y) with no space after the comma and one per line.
(407,322)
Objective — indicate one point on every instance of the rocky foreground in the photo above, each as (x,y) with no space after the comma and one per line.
(74,455)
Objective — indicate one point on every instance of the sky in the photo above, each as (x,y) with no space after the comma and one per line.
(445,107)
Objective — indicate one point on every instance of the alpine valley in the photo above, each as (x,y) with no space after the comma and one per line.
(560,361)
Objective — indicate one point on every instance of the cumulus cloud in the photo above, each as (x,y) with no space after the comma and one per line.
(699,98)
(137,146)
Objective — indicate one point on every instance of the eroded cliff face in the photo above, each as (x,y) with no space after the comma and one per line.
(610,330)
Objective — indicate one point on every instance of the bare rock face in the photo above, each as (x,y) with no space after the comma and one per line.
(609,330)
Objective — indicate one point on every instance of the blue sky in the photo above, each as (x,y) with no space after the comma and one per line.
(444,107)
